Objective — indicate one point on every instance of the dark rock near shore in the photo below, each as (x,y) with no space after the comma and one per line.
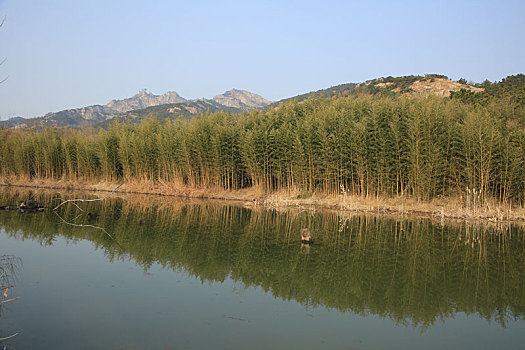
(31,205)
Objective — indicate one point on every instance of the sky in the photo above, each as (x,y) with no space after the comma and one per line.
(63,54)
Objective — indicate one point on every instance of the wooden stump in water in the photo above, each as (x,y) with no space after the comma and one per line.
(306,236)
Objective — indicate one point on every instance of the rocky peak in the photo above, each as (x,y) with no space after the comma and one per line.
(144,99)
(142,93)
(241,99)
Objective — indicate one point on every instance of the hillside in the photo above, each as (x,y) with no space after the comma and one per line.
(511,88)
(342,89)
(412,85)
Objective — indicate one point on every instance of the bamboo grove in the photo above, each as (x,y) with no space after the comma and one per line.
(370,146)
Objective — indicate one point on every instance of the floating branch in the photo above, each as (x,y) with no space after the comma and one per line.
(8,300)
(84,225)
(82,200)
(11,336)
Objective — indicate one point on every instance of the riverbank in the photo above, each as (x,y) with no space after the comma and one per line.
(449,207)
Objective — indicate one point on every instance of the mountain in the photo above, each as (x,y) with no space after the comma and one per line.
(234,101)
(138,107)
(186,109)
(95,114)
(241,99)
(143,100)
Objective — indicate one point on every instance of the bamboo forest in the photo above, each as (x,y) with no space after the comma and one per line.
(427,147)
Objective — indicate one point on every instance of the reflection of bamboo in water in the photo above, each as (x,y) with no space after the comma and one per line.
(374,273)
(9,265)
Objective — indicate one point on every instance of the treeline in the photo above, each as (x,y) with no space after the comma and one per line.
(511,89)
(369,146)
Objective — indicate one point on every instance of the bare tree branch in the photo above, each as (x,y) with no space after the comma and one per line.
(87,200)
(61,200)
(8,300)
(85,225)
(9,265)
(11,336)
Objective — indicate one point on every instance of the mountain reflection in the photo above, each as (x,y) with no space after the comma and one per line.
(414,271)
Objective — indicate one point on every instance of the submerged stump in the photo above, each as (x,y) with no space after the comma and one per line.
(306,236)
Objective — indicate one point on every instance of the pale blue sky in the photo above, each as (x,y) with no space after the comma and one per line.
(64,53)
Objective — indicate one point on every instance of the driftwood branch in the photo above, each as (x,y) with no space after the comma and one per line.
(84,225)
(11,336)
(8,300)
(9,264)
(81,200)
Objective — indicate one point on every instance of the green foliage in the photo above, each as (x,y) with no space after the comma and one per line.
(423,147)
(511,88)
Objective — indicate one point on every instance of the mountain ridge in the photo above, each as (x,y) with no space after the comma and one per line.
(172,105)
(233,100)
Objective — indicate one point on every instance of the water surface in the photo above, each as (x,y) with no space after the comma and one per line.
(161,273)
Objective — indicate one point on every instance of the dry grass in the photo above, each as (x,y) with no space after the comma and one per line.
(451,207)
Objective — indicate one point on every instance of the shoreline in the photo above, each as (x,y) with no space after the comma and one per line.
(445,208)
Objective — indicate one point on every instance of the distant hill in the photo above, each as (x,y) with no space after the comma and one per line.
(342,89)
(412,85)
(134,109)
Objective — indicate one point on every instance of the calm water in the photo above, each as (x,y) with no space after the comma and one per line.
(175,274)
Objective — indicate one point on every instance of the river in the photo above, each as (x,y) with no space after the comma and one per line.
(160,273)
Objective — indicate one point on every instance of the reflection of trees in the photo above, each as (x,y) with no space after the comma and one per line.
(413,271)
(9,266)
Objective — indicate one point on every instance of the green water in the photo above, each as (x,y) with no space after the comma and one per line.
(175,274)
